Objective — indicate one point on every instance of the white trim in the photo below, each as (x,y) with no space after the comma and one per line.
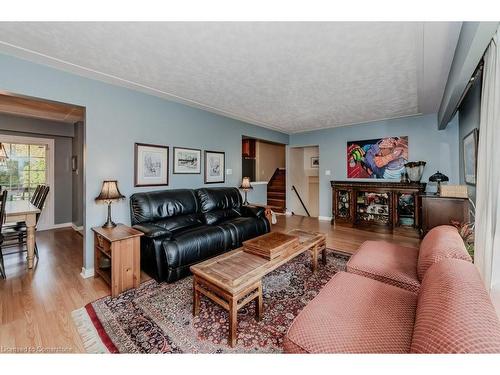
(288,213)
(325,218)
(87,273)
(259,183)
(49,143)
(75,227)
(56,226)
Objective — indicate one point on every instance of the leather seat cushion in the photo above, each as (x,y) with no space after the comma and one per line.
(384,261)
(195,244)
(179,223)
(354,314)
(244,228)
(215,217)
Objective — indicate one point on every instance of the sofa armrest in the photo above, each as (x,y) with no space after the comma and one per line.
(253,211)
(153,231)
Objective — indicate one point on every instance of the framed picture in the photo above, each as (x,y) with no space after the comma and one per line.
(214,167)
(377,158)
(187,160)
(470,156)
(315,162)
(151,165)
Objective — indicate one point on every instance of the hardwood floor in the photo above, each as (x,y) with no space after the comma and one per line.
(337,237)
(36,305)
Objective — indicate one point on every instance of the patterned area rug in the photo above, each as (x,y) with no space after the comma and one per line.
(157,318)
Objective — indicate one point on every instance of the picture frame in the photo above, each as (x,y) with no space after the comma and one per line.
(215,163)
(150,165)
(470,145)
(187,160)
(315,162)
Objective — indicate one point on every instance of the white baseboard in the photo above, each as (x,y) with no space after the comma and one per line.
(288,213)
(87,273)
(325,218)
(76,227)
(61,225)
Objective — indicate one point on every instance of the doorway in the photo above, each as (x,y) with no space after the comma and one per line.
(264,163)
(44,144)
(30,163)
(303,197)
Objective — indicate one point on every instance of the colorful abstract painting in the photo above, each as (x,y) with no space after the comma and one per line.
(377,158)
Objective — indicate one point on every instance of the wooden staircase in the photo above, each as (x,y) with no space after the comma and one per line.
(276,191)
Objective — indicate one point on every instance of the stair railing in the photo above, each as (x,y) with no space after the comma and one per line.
(300,199)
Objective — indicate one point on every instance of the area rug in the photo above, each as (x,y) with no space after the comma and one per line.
(157,317)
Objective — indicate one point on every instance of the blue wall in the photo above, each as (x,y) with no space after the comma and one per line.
(438,148)
(116,118)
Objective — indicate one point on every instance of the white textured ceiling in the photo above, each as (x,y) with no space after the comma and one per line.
(288,76)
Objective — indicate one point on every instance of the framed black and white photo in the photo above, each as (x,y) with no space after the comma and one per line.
(187,160)
(214,167)
(151,165)
(315,162)
(470,157)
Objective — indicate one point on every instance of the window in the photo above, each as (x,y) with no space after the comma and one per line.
(25,168)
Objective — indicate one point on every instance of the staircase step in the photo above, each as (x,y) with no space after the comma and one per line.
(276,202)
(280,210)
(276,194)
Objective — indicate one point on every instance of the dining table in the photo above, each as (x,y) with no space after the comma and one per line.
(24,211)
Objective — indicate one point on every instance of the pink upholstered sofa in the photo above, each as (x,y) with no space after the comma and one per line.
(374,311)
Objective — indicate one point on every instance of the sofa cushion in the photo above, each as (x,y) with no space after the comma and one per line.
(354,314)
(153,231)
(179,223)
(454,312)
(156,205)
(214,217)
(244,228)
(222,198)
(440,243)
(387,262)
(195,244)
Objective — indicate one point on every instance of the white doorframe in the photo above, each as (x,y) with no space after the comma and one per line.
(47,219)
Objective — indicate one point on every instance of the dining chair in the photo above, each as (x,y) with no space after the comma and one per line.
(3,200)
(16,236)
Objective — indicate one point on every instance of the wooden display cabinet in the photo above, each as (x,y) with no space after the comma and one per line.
(378,206)
(117,258)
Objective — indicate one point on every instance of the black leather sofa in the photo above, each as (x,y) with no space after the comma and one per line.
(183,227)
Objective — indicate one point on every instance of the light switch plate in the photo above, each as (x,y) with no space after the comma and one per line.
(229,171)
(328,172)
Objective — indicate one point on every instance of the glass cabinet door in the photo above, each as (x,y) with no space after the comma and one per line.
(406,209)
(343,204)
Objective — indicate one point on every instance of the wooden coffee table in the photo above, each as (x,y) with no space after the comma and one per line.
(234,279)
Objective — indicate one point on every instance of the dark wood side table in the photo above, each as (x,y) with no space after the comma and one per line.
(117,257)
(437,210)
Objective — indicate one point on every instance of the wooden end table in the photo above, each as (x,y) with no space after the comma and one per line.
(234,279)
(121,245)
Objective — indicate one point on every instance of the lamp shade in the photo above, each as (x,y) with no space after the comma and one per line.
(245,184)
(110,192)
(438,177)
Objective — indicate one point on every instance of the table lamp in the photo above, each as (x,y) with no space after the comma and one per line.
(109,194)
(438,177)
(245,186)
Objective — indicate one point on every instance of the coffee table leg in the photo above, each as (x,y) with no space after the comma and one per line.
(259,304)
(233,321)
(323,253)
(314,252)
(196,297)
